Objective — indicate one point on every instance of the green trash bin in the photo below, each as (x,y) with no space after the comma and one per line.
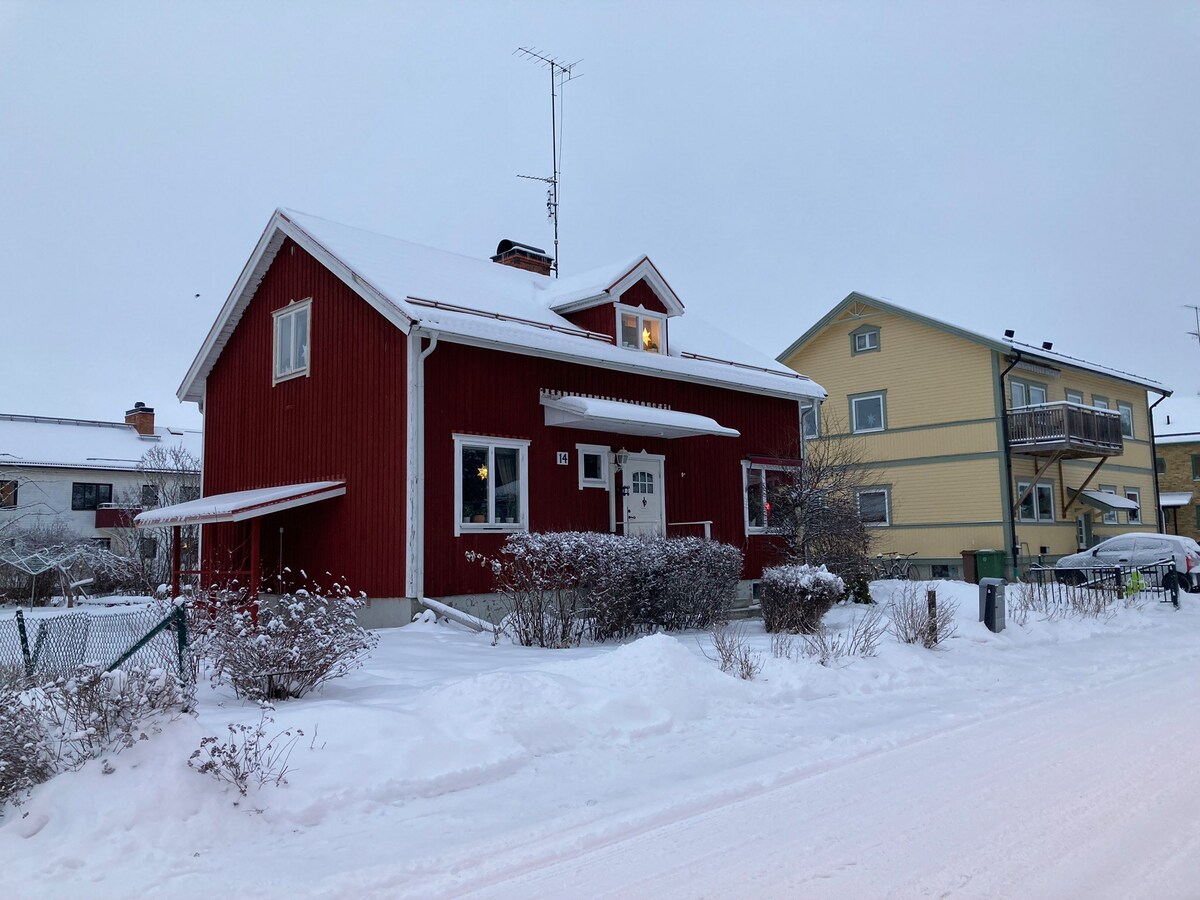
(989,563)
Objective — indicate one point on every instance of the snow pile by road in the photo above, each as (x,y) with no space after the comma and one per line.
(449,765)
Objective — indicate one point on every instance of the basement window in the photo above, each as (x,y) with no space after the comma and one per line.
(293,327)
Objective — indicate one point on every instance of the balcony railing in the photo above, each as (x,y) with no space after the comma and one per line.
(1067,428)
(114,515)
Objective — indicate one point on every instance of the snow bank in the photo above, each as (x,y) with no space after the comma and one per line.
(446,752)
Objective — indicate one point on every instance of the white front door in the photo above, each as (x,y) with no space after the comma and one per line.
(644,502)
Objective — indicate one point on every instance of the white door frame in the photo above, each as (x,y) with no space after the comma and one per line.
(658,463)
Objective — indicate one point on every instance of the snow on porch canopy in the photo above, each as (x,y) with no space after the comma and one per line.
(1107,502)
(1174,499)
(240,505)
(618,417)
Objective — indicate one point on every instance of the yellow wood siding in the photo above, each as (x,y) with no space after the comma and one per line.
(940,454)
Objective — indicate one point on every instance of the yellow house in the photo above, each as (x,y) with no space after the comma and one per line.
(973,443)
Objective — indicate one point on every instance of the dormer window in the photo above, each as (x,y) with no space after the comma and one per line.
(641,330)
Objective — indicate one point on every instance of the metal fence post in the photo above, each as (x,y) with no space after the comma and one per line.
(24,644)
(182,635)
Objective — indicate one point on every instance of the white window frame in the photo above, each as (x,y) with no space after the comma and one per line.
(1134,517)
(1100,402)
(815,407)
(642,315)
(1109,517)
(887,504)
(882,397)
(1027,389)
(1122,407)
(870,341)
(605,468)
(1037,508)
(482,440)
(749,470)
(278,316)
(1075,397)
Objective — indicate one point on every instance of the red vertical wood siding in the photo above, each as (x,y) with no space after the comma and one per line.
(602,319)
(488,392)
(641,294)
(346,420)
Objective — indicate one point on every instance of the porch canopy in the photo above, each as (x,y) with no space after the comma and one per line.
(1174,499)
(1107,502)
(239,505)
(619,417)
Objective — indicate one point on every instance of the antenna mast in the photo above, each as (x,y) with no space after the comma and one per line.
(1196,310)
(560,74)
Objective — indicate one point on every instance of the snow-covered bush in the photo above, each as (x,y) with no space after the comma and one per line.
(25,758)
(916,621)
(796,598)
(59,726)
(247,756)
(698,583)
(561,587)
(285,647)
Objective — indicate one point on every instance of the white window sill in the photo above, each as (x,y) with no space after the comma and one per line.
(476,527)
(290,375)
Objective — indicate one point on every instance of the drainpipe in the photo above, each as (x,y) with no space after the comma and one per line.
(415,574)
(1160,518)
(1009,514)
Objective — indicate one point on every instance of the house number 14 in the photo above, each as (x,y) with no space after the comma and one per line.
(564,457)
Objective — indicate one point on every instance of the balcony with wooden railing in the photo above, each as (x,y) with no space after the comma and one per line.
(1065,429)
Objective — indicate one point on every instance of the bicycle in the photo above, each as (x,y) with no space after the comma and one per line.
(898,565)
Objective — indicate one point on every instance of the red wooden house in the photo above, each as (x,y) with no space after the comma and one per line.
(375,409)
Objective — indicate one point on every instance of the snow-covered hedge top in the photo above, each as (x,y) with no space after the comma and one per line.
(802,578)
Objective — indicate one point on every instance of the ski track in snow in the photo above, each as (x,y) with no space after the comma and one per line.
(956,823)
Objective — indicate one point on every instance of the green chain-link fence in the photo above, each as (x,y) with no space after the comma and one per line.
(46,647)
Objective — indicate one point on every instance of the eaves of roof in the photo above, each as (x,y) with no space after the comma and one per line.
(1006,348)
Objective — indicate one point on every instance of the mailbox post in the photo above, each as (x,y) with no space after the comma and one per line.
(991,603)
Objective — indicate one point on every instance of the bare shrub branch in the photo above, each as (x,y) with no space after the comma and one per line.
(910,617)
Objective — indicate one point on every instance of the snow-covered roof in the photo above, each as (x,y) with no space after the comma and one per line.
(629,418)
(84,444)
(238,506)
(1107,501)
(1009,347)
(1188,437)
(1172,499)
(479,302)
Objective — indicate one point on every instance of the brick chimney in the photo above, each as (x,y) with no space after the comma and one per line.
(522,256)
(141,417)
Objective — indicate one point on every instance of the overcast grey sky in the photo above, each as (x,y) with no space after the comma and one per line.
(1024,165)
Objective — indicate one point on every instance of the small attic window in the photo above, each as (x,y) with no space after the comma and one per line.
(640,330)
(864,339)
(291,339)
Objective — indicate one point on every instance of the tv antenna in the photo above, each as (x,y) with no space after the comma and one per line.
(560,74)
(1196,310)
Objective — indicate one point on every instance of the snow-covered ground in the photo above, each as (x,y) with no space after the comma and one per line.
(1053,759)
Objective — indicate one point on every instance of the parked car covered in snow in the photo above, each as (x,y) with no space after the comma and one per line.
(1137,549)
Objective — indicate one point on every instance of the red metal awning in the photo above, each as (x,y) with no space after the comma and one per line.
(240,505)
(775,462)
